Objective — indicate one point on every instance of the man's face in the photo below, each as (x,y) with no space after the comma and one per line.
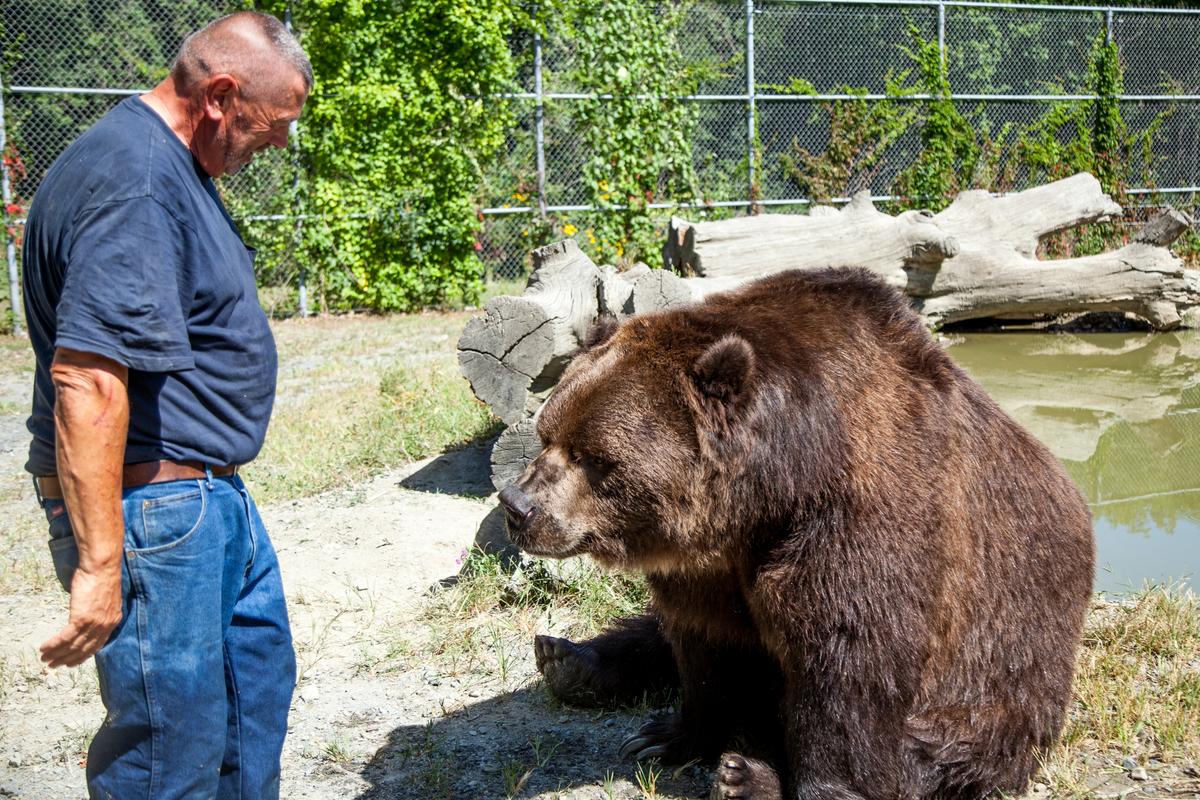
(252,125)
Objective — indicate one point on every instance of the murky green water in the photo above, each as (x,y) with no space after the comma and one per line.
(1122,413)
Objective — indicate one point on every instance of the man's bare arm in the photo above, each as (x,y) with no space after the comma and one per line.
(91,420)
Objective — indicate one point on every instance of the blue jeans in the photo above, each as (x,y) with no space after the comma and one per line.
(198,676)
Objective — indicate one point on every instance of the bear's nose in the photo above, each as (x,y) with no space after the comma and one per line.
(518,508)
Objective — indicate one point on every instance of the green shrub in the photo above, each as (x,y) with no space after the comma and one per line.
(393,146)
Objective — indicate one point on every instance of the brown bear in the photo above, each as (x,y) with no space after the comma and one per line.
(859,565)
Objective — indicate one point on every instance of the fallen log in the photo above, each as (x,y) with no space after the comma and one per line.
(520,345)
(514,353)
(975,259)
(859,234)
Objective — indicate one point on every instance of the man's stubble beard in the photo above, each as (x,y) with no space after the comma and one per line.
(235,158)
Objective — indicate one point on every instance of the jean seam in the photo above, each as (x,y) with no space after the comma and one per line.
(251,532)
(234,700)
(148,551)
(145,657)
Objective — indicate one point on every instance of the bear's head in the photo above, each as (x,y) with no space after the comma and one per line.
(660,439)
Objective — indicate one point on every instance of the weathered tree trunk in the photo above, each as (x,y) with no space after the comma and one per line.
(860,235)
(975,259)
(521,344)
(514,353)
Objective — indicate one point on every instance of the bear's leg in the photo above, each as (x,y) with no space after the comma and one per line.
(725,690)
(836,752)
(742,778)
(621,666)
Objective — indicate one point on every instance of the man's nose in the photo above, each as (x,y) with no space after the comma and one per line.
(519,509)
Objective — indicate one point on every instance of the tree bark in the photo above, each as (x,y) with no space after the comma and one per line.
(858,235)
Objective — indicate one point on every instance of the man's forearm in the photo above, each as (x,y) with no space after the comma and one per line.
(91,419)
(91,415)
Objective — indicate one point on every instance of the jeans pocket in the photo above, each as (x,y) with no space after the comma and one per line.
(168,521)
(65,555)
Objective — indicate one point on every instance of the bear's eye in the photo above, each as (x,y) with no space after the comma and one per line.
(593,464)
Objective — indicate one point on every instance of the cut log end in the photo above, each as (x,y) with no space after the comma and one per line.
(1164,229)
(515,448)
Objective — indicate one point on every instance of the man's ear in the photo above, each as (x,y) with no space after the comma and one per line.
(218,96)
(600,331)
(722,376)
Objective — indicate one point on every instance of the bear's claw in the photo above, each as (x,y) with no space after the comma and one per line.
(741,778)
(662,739)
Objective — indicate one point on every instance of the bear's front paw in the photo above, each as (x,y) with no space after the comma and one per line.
(741,778)
(664,739)
(572,671)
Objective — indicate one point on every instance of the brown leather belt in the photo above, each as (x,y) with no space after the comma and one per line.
(143,473)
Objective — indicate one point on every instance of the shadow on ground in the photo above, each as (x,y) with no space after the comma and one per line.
(483,750)
(466,471)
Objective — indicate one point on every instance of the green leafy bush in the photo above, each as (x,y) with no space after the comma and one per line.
(393,144)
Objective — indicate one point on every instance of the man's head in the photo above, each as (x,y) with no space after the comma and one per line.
(244,79)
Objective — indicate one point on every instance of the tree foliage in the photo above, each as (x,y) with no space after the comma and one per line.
(393,140)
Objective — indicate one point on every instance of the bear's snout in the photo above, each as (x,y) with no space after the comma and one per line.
(519,508)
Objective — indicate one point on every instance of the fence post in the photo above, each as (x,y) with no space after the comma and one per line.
(10,244)
(1108,26)
(750,106)
(294,134)
(942,31)
(539,113)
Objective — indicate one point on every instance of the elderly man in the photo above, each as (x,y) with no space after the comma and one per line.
(155,379)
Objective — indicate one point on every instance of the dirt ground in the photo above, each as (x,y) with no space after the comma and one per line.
(392,701)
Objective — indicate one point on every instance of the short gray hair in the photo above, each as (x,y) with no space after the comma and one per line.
(233,43)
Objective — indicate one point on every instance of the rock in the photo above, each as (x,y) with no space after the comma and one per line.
(1128,763)
(1139,774)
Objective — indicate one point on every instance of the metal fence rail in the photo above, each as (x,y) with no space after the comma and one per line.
(1007,64)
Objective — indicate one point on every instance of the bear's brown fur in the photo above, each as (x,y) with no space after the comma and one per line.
(857,561)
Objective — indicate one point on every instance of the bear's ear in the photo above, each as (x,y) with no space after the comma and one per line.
(600,331)
(724,371)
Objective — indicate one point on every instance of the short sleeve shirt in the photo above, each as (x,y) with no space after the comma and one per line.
(128,253)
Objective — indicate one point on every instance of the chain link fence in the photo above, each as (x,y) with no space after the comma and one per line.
(778,66)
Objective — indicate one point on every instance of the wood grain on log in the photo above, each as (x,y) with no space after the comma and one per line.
(516,446)
(520,345)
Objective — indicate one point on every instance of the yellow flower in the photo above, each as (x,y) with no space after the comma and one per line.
(591,236)
(570,230)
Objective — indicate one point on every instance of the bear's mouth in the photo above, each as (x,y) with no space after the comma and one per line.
(546,541)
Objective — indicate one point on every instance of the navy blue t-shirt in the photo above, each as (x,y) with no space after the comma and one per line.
(130,254)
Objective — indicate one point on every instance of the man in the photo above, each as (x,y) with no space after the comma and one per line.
(155,379)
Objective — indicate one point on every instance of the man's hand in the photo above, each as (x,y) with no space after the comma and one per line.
(91,422)
(95,611)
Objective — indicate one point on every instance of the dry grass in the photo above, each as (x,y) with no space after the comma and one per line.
(1137,688)
(359,395)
